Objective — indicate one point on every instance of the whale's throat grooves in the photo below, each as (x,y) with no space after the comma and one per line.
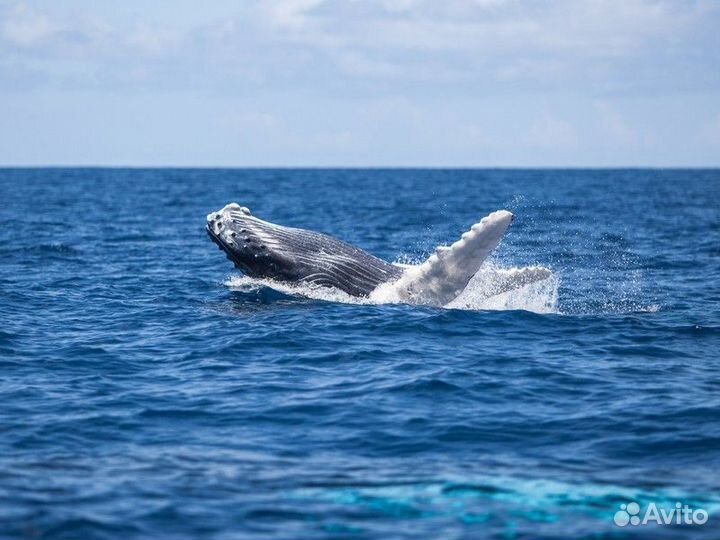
(266,250)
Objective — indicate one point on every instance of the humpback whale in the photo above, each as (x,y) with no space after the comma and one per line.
(261,249)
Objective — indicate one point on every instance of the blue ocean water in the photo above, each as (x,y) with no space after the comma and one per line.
(145,395)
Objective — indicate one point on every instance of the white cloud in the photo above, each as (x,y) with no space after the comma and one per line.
(152,40)
(289,13)
(616,127)
(710,133)
(549,131)
(592,44)
(452,78)
(23,27)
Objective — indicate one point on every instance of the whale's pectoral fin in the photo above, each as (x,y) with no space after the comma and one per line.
(445,274)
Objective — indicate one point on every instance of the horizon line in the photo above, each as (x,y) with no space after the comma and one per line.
(371,167)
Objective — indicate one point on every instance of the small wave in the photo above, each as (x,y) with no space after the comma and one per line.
(131,237)
(58,248)
(55,248)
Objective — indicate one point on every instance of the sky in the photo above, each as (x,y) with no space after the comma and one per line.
(451,83)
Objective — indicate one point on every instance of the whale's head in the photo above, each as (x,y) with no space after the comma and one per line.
(253,245)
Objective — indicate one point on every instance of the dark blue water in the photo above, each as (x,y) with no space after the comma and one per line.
(142,397)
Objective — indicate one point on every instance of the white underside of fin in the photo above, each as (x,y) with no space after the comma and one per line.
(445,274)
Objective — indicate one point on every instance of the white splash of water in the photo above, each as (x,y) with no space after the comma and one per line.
(539,296)
(316,292)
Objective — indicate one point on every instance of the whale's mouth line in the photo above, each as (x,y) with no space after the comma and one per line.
(228,251)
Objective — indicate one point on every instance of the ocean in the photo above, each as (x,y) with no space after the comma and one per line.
(148,390)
